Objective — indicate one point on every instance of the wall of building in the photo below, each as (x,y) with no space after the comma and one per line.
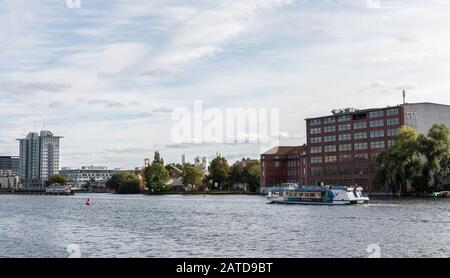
(422,116)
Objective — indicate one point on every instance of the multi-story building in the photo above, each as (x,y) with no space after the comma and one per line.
(8,179)
(94,175)
(39,158)
(342,147)
(10,163)
(284,165)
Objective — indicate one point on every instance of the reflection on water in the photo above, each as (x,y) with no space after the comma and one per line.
(219,226)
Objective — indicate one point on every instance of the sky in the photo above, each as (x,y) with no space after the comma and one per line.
(107,75)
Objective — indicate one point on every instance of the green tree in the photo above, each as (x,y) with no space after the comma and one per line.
(219,170)
(436,149)
(192,176)
(252,175)
(236,173)
(124,183)
(400,165)
(56,179)
(156,174)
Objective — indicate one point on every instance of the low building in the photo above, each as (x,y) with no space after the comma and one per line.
(284,164)
(87,175)
(9,179)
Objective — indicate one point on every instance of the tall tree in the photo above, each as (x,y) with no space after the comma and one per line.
(401,164)
(156,174)
(436,149)
(219,170)
(252,175)
(236,173)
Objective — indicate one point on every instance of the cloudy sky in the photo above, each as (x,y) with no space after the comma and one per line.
(107,75)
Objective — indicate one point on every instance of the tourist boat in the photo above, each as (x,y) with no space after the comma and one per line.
(317,195)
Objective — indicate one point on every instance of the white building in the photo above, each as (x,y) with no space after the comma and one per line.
(39,158)
(97,175)
(9,179)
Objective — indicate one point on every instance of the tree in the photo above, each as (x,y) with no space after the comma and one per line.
(401,164)
(236,173)
(56,179)
(124,183)
(420,161)
(436,149)
(192,176)
(252,175)
(156,175)
(219,170)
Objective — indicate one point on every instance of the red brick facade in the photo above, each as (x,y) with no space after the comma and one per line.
(341,149)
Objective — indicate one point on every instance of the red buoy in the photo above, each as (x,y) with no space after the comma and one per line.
(87,202)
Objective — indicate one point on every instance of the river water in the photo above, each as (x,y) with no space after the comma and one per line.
(219,226)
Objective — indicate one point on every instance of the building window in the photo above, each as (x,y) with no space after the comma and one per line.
(316,140)
(316,171)
(391,143)
(316,130)
(392,112)
(360,146)
(344,118)
(393,121)
(345,137)
(361,170)
(316,150)
(315,122)
(330,148)
(377,145)
(361,156)
(345,147)
(277,164)
(377,123)
(392,132)
(376,114)
(345,127)
(377,134)
(345,157)
(360,135)
(330,159)
(331,170)
(345,170)
(316,159)
(330,128)
(329,138)
(329,120)
(360,125)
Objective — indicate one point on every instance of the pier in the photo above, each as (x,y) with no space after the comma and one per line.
(35,193)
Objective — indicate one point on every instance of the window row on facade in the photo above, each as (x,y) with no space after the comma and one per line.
(349,147)
(356,136)
(356,126)
(344,118)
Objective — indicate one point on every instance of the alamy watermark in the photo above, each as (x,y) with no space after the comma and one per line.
(237,125)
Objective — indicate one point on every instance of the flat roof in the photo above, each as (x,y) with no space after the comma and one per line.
(374,109)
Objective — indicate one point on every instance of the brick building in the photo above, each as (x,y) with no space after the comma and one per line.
(284,165)
(342,147)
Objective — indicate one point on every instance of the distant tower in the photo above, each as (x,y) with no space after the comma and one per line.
(204,162)
(39,158)
(183,159)
(146,162)
(404,97)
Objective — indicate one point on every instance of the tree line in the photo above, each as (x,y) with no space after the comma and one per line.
(418,162)
(219,177)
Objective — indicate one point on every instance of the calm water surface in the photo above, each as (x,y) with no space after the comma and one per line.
(219,226)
